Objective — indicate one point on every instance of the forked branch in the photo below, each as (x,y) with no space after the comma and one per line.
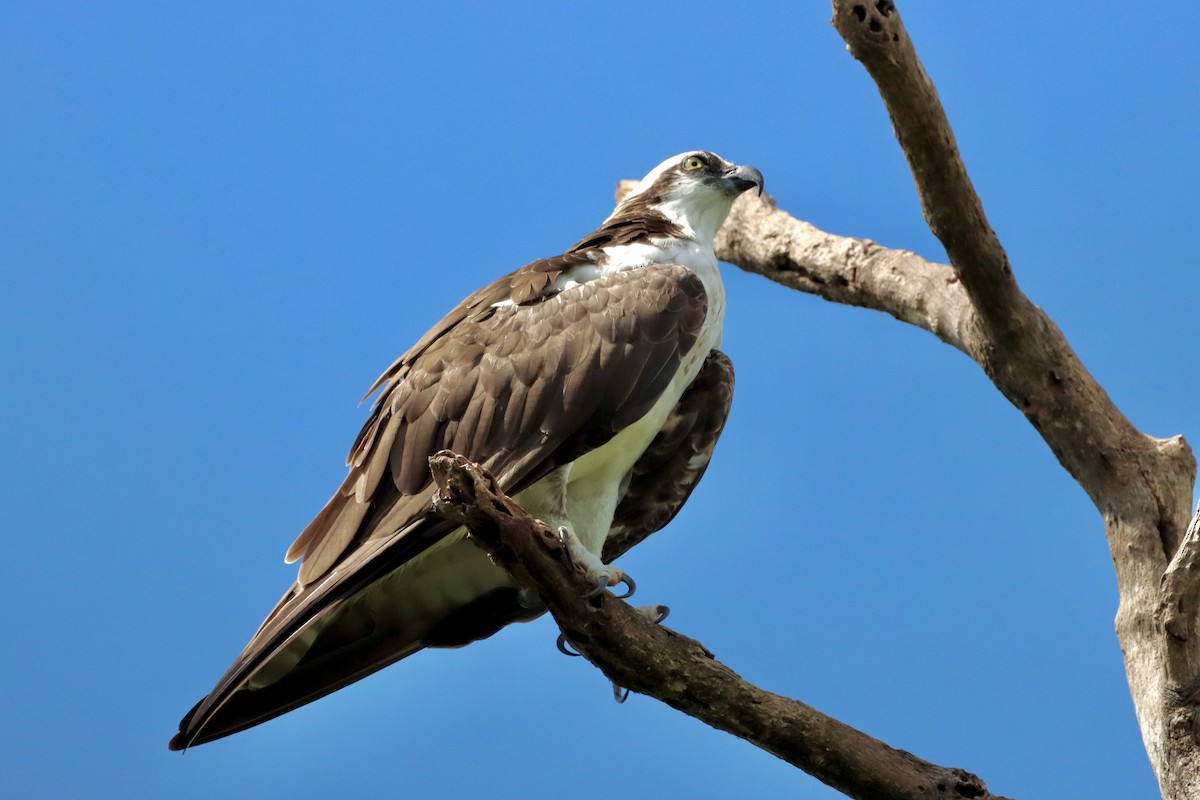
(1141,485)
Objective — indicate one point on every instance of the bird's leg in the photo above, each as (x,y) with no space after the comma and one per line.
(602,575)
(547,500)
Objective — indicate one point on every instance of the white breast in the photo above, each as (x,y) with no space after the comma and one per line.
(595,479)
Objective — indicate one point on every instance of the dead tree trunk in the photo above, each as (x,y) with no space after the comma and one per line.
(1141,485)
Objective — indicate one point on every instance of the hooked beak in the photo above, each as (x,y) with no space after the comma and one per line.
(741,178)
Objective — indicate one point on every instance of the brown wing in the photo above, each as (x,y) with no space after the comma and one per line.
(520,388)
(663,478)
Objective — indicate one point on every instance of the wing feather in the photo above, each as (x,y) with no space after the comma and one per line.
(377,460)
(326,551)
(664,477)
(578,400)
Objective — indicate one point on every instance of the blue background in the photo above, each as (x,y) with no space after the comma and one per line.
(221,222)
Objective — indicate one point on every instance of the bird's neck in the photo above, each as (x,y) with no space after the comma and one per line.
(697,219)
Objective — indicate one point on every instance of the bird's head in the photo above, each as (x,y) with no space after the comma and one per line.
(694,190)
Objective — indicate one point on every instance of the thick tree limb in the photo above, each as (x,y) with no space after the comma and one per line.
(1141,485)
(877,38)
(634,652)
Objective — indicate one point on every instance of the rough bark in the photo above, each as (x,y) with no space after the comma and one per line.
(636,653)
(1141,485)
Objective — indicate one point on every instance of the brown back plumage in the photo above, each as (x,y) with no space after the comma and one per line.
(522,376)
(523,389)
(444,386)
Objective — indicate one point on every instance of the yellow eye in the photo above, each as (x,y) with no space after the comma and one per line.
(692,163)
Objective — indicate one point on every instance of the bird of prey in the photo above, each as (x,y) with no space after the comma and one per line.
(588,383)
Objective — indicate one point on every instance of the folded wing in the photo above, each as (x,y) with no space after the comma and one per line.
(520,387)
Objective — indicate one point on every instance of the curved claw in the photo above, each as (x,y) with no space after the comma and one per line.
(601,585)
(528,599)
(563,647)
(563,536)
(620,694)
(657,613)
(632,587)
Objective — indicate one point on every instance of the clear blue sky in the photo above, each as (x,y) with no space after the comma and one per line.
(219,223)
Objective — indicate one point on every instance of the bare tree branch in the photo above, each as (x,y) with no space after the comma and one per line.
(877,38)
(760,238)
(1178,625)
(635,653)
(1141,485)
(1018,346)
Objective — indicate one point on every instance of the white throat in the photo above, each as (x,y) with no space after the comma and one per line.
(700,215)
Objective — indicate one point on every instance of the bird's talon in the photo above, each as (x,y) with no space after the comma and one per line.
(628,581)
(620,694)
(564,537)
(564,647)
(528,599)
(656,613)
(601,585)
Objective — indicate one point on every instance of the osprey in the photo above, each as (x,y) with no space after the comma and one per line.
(589,385)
